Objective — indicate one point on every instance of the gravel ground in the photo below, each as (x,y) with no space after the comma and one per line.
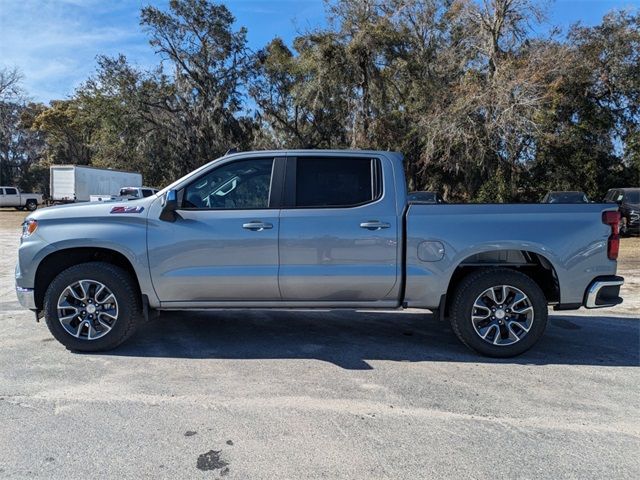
(292,395)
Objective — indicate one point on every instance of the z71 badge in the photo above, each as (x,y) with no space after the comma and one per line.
(127,209)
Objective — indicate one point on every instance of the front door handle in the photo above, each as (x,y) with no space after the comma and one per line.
(374,225)
(257,226)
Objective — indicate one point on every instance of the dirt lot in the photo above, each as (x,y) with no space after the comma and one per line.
(291,395)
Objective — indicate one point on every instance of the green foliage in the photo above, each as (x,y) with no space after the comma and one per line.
(35,179)
(494,190)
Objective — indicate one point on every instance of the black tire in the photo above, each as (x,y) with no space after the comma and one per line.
(462,308)
(123,288)
(31,205)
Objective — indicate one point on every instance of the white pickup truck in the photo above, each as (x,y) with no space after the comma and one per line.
(13,197)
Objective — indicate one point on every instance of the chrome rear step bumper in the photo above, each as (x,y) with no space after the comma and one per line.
(604,292)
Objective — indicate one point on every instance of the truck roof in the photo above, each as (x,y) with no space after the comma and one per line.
(319,151)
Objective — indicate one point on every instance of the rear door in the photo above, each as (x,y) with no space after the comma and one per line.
(338,231)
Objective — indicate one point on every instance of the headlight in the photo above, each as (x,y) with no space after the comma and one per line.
(29,227)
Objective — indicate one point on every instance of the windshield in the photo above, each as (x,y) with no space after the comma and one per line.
(568,197)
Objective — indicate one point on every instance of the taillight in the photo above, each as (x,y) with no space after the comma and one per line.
(613,245)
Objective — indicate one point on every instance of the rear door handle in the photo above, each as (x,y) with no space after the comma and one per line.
(257,226)
(374,225)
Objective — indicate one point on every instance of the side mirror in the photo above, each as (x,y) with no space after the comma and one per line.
(169,206)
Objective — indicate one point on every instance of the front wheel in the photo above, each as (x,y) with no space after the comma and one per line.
(92,307)
(498,312)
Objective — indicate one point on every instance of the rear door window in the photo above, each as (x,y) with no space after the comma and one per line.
(11,191)
(336,182)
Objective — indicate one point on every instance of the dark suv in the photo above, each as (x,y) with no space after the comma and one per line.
(629,201)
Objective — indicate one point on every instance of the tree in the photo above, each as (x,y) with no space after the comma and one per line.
(130,116)
(589,130)
(68,135)
(19,146)
(300,98)
(210,65)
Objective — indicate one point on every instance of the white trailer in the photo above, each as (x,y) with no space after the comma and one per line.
(76,183)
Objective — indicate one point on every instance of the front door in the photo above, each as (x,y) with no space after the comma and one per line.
(338,232)
(223,246)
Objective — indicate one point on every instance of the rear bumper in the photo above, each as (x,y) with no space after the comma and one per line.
(26,297)
(603,292)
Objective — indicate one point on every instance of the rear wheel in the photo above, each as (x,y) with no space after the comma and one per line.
(498,312)
(31,205)
(92,307)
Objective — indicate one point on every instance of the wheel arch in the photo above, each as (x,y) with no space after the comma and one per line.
(59,260)
(533,264)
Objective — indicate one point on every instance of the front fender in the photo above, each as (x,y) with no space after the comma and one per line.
(124,235)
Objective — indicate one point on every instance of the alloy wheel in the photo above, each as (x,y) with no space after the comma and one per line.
(502,315)
(87,309)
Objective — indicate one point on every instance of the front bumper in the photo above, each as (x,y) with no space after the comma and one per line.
(604,292)
(26,297)
(633,222)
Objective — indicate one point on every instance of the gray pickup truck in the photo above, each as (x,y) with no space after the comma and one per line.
(314,229)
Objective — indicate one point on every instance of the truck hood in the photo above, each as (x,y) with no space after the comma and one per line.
(136,208)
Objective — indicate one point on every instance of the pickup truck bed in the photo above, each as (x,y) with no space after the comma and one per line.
(315,229)
(566,241)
